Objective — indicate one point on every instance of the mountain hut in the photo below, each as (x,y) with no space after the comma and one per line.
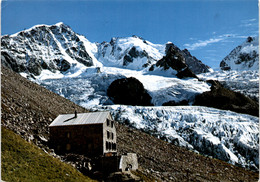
(91,134)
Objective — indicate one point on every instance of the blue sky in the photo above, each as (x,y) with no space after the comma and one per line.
(209,29)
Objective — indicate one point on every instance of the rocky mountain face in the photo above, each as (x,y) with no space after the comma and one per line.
(195,65)
(53,48)
(28,109)
(243,57)
(175,60)
(57,48)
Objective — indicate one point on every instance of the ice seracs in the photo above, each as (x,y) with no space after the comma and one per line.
(225,135)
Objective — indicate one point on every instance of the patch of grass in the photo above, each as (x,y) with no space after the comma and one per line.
(23,161)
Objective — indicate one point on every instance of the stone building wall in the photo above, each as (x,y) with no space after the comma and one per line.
(109,133)
(81,139)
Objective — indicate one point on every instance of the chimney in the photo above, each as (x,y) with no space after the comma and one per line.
(75,114)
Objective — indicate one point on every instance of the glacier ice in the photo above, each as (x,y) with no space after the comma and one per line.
(225,135)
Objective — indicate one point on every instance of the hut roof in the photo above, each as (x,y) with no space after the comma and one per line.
(81,119)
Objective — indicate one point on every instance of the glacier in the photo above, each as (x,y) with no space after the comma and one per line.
(89,87)
(225,135)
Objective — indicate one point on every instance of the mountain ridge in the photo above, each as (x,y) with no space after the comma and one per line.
(58,48)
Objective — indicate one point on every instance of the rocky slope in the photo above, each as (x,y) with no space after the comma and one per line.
(243,57)
(195,65)
(27,109)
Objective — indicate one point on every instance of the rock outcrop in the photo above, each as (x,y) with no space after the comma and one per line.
(175,60)
(195,65)
(129,91)
(222,98)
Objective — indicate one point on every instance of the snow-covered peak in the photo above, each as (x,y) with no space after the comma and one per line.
(129,52)
(243,57)
(43,26)
(60,24)
(56,48)
(137,53)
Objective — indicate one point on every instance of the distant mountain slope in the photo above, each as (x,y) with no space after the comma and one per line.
(139,54)
(58,49)
(130,52)
(243,57)
(28,108)
(43,47)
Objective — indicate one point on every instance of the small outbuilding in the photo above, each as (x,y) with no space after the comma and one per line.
(91,134)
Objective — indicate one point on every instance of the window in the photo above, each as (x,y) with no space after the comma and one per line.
(112,136)
(68,134)
(68,147)
(114,146)
(107,146)
(107,122)
(112,124)
(108,135)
